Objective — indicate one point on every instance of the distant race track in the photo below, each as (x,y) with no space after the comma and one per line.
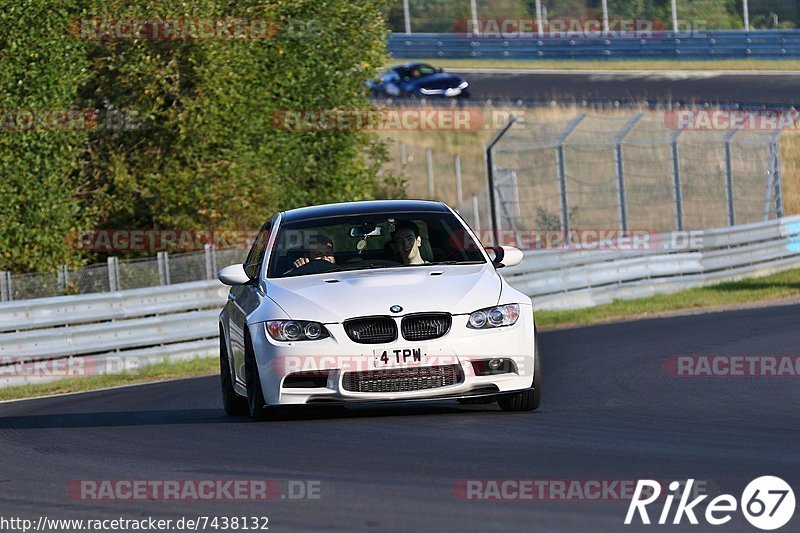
(773,89)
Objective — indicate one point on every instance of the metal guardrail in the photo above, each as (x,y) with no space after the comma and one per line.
(569,278)
(718,44)
(105,332)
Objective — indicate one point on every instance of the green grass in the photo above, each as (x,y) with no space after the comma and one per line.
(633,64)
(156,372)
(774,287)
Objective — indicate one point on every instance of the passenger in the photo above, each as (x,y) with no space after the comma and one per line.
(406,242)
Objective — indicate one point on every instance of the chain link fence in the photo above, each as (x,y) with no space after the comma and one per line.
(119,274)
(629,173)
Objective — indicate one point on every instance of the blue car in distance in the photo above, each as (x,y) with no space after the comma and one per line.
(418,80)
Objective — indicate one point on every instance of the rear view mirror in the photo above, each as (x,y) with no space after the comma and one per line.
(366,230)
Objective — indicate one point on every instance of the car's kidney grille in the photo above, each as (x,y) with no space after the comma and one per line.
(372,330)
(425,327)
(402,379)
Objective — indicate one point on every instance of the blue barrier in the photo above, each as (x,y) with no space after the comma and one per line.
(727,44)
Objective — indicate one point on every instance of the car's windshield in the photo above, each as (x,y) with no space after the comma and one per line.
(358,242)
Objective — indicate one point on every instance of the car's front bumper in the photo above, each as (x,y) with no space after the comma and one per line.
(337,355)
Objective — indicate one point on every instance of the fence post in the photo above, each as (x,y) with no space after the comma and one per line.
(63,278)
(459,189)
(676,176)
(163,267)
(113,274)
(403,158)
(211,261)
(6,293)
(561,170)
(775,163)
(431,188)
(619,138)
(476,216)
(729,178)
(490,176)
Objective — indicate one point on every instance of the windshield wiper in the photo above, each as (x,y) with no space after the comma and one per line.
(465,262)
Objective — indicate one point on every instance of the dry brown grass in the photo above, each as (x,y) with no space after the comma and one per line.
(790,172)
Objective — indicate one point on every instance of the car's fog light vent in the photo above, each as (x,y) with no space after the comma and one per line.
(425,327)
(306,380)
(402,379)
(371,330)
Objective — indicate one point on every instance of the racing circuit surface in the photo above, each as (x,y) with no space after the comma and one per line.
(610,412)
(780,89)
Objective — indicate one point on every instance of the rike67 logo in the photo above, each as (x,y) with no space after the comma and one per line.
(767,503)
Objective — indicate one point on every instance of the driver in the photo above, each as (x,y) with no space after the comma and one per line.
(320,247)
(406,242)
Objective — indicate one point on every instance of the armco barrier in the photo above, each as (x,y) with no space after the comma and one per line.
(760,44)
(180,321)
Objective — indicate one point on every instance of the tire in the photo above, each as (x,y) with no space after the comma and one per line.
(233,403)
(255,394)
(527,400)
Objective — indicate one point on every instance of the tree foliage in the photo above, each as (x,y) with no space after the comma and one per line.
(199,145)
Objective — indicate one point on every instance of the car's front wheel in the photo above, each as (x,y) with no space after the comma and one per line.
(527,400)
(255,394)
(232,402)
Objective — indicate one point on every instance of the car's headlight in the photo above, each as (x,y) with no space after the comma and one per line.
(494,317)
(296,330)
(463,85)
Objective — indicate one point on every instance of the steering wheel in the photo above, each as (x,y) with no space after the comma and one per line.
(316,266)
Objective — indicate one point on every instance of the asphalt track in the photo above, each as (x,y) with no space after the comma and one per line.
(609,412)
(715,88)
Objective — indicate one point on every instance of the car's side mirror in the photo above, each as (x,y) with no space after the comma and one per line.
(505,256)
(440,69)
(234,275)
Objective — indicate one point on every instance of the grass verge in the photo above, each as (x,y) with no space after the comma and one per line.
(157,372)
(633,64)
(734,293)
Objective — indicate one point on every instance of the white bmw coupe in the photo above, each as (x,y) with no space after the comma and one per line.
(374,301)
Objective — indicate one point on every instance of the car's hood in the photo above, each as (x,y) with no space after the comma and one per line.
(442,80)
(334,297)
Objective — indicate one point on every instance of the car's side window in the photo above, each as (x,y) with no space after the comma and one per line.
(252,265)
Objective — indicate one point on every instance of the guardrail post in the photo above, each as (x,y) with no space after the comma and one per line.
(618,159)
(6,293)
(729,178)
(431,188)
(163,267)
(63,278)
(113,274)
(459,190)
(676,177)
(211,261)
(561,170)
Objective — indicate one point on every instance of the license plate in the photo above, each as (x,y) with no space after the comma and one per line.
(399,357)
